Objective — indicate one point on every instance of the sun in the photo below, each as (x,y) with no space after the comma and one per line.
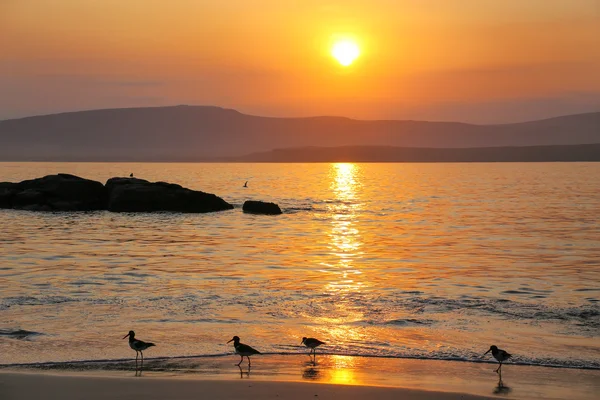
(345,51)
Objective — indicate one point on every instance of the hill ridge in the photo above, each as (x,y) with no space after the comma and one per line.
(204,132)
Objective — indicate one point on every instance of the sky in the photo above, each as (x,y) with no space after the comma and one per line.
(479,61)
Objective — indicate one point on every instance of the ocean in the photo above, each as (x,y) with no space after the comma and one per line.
(428,261)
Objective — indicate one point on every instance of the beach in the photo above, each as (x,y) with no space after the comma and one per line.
(26,386)
(287,377)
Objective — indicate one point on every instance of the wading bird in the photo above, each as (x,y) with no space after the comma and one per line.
(312,343)
(499,355)
(243,350)
(138,346)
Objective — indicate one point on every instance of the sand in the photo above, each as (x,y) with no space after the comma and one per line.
(293,377)
(26,386)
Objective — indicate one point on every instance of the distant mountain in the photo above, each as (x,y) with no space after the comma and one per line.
(201,133)
(578,152)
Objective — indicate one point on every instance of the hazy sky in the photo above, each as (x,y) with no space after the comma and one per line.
(466,60)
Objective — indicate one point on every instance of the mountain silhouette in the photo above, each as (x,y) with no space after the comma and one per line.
(205,133)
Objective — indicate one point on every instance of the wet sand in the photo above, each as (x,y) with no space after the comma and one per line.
(296,377)
(15,386)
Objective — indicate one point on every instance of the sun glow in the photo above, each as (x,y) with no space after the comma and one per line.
(345,51)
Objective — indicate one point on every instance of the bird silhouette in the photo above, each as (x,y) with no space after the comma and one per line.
(243,350)
(312,343)
(500,355)
(139,346)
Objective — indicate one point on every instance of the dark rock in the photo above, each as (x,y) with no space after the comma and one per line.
(65,192)
(139,195)
(261,207)
(7,192)
(62,192)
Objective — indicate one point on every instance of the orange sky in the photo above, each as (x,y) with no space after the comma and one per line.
(467,60)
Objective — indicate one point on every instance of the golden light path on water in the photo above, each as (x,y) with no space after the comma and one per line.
(345,236)
(345,244)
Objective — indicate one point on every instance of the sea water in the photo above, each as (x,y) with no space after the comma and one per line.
(433,261)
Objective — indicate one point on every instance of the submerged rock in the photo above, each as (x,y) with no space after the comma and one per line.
(61,192)
(139,195)
(261,207)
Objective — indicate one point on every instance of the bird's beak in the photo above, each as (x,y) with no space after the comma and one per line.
(487,352)
(125,336)
(230,341)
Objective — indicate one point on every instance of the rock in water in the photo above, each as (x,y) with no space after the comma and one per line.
(7,192)
(261,207)
(62,192)
(139,195)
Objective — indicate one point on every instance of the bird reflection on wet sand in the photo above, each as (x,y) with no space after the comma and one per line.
(501,388)
(242,372)
(311,372)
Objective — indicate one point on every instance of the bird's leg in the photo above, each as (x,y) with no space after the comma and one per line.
(249,364)
(142,367)
(136,362)
(242,359)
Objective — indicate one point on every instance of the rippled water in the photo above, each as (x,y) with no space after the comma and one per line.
(395,260)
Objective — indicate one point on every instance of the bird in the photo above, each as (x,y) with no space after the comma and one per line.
(500,355)
(312,343)
(131,175)
(138,346)
(246,184)
(243,350)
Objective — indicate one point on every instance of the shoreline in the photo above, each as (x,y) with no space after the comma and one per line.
(473,379)
(31,386)
(490,361)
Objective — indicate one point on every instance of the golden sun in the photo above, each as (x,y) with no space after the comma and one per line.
(345,51)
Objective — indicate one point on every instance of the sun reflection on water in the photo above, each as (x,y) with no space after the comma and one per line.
(345,237)
(342,372)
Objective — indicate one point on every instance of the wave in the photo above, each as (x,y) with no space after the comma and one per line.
(20,334)
(414,303)
(189,362)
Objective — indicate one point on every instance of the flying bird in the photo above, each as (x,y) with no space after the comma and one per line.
(243,350)
(246,184)
(500,355)
(139,346)
(312,343)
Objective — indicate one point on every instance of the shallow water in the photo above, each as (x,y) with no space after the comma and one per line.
(397,260)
